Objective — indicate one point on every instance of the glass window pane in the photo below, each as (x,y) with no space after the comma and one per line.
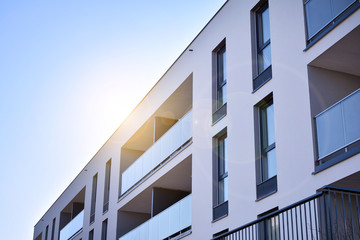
(270,124)
(269,165)
(221,157)
(221,77)
(264,59)
(351,108)
(221,96)
(330,131)
(226,189)
(223,190)
(318,14)
(225,156)
(221,66)
(340,5)
(224,66)
(264,27)
(223,90)
(222,152)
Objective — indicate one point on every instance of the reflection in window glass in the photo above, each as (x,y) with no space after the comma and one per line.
(222,169)
(268,154)
(263,39)
(221,77)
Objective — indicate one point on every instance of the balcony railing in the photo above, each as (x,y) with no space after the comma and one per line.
(322,14)
(175,220)
(338,126)
(73,227)
(166,145)
(332,213)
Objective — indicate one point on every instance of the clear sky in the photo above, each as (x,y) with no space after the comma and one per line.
(70,72)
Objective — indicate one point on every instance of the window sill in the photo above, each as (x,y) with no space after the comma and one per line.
(266,188)
(262,78)
(219,114)
(330,26)
(219,218)
(338,157)
(220,211)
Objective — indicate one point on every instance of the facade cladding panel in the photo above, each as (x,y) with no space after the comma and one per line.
(258,131)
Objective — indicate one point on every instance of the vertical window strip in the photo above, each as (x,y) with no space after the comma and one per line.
(53,229)
(222,169)
(221,77)
(268,156)
(107,186)
(46,232)
(263,39)
(104,230)
(93,198)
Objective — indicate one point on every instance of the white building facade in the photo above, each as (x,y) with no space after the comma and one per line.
(253,133)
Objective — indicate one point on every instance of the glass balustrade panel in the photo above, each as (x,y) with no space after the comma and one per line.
(172,220)
(176,136)
(75,225)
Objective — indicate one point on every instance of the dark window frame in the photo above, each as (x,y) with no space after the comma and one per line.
(265,186)
(91,235)
(219,82)
(107,186)
(220,174)
(265,147)
(46,232)
(93,198)
(53,229)
(104,228)
(259,77)
(220,233)
(220,76)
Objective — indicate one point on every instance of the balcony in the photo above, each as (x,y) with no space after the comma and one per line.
(175,221)
(73,227)
(323,15)
(332,213)
(338,129)
(168,144)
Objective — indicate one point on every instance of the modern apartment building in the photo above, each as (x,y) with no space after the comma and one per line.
(253,133)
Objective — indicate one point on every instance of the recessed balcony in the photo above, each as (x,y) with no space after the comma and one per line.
(161,137)
(73,227)
(72,217)
(173,221)
(334,83)
(178,135)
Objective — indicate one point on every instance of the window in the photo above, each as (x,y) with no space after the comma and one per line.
(220,175)
(107,186)
(91,235)
(93,199)
(221,77)
(262,50)
(46,232)
(219,86)
(220,233)
(53,229)
(269,228)
(222,169)
(104,230)
(265,147)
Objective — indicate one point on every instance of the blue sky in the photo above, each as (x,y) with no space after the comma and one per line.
(70,72)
